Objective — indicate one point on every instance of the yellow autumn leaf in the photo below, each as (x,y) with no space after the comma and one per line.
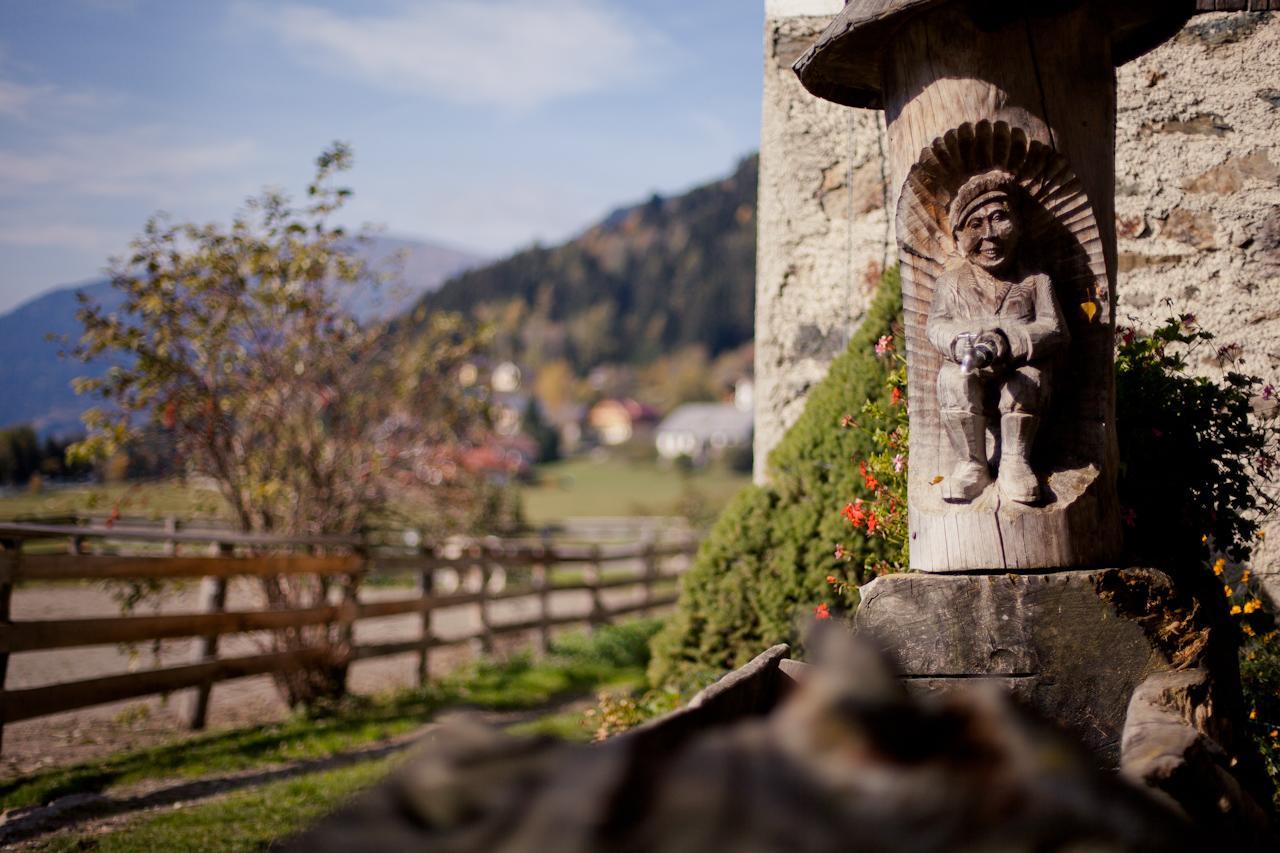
(1089,309)
(936,480)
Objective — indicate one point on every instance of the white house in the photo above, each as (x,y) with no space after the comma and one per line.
(703,430)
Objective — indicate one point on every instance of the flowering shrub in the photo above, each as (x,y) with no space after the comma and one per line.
(882,510)
(764,566)
(1194,458)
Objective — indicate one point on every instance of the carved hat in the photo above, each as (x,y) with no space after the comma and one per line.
(844,65)
(984,188)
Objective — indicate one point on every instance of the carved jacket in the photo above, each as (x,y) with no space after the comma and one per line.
(969,299)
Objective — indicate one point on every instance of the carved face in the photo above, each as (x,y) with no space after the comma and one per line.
(989,236)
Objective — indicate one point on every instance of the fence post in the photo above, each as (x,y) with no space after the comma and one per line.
(351,606)
(9,557)
(170,527)
(541,573)
(426,588)
(650,568)
(486,629)
(591,574)
(214,593)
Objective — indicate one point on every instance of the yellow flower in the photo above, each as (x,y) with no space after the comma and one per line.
(1218,567)
(1253,605)
(1235,610)
(1228,591)
(1253,714)
(1244,576)
(1248,631)
(1204,538)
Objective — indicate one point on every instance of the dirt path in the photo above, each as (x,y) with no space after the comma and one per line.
(89,733)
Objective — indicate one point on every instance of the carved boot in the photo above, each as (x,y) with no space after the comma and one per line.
(1018,482)
(967,433)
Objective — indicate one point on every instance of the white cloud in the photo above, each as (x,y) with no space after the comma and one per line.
(508,53)
(137,161)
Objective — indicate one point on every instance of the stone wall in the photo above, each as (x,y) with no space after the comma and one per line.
(1198,206)
(823,236)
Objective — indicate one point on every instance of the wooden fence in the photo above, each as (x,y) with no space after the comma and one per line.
(534,570)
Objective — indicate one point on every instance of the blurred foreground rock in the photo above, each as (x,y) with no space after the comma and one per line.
(777,756)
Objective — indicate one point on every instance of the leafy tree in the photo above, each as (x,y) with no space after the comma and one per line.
(236,343)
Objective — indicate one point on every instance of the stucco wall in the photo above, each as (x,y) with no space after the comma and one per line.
(1198,204)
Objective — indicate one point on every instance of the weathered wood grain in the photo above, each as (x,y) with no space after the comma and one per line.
(1034,96)
(1057,641)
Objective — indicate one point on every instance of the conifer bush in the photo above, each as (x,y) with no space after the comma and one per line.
(767,559)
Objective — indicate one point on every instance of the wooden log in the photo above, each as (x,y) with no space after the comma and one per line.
(67,567)
(34,702)
(1057,640)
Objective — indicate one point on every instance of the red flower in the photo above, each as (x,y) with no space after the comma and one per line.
(855,513)
(822,611)
(871,522)
(831,578)
(869,479)
(896,395)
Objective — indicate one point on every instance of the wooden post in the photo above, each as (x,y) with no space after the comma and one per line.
(213,591)
(9,555)
(650,568)
(170,527)
(486,629)
(541,574)
(426,588)
(592,576)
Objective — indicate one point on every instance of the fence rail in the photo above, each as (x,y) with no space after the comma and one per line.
(537,570)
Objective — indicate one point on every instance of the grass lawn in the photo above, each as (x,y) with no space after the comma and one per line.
(612,487)
(579,665)
(146,500)
(575,487)
(247,820)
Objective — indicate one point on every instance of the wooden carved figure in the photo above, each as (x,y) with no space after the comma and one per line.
(1000,148)
(998,327)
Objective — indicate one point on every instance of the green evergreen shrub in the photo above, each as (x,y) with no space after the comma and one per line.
(764,565)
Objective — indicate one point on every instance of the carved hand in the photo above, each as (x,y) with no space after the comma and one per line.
(995,339)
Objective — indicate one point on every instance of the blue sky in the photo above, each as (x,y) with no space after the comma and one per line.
(485,124)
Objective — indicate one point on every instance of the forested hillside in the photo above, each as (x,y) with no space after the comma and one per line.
(647,281)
